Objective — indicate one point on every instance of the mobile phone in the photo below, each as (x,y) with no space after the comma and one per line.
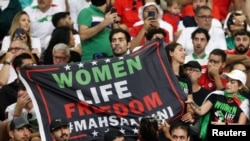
(113,10)
(151,14)
(19,32)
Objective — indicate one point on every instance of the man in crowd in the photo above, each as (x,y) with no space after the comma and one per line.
(59,128)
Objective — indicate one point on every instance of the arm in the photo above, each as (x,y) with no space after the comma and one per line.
(5,70)
(86,32)
(235,58)
(200,110)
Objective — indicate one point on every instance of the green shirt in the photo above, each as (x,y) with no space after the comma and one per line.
(99,43)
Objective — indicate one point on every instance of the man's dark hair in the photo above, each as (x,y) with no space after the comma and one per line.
(204,7)
(151,32)
(219,52)
(18,61)
(58,16)
(180,125)
(118,30)
(241,33)
(98,2)
(201,30)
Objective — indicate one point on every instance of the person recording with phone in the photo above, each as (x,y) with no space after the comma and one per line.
(151,17)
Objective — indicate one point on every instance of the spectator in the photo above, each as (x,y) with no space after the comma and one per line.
(20,28)
(114,135)
(173,13)
(94,32)
(59,128)
(241,51)
(210,78)
(147,22)
(24,108)
(20,129)
(193,69)
(200,38)
(40,18)
(120,42)
(176,57)
(234,24)
(8,11)
(8,93)
(203,17)
(231,97)
(61,54)
(56,38)
(148,129)
(180,131)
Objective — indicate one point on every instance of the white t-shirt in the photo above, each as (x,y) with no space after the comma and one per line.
(217,40)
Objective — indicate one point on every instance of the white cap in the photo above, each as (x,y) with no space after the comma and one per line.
(141,9)
(236,75)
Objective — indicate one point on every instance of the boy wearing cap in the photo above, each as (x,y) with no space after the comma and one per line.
(59,128)
(20,129)
(219,104)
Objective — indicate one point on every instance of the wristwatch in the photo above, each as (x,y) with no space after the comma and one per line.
(6,62)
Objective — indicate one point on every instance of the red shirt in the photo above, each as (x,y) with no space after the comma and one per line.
(209,84)
(134,31)
(189,11)
(172,19)
(125,10)
(233,52)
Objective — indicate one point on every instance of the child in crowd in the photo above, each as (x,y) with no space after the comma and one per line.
(172,15)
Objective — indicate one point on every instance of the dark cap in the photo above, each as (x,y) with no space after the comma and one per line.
(193,64)
(58,122)
(19,122)
(112,134)
(98,2)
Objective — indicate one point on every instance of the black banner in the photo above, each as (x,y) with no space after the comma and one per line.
(112,92)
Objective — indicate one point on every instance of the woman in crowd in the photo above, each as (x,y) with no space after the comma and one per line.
(20,28)
(217,107)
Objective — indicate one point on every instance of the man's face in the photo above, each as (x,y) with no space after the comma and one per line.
(44,4)
(68,21)
(242,43)
(119,44)
(148,9)
(199,43)
(62,133)
(193,73)
(215,61)
(204,19)
(16,47)
(60,57)
(20,134)
(179,134)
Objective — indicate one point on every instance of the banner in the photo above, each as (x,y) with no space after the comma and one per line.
(114,92)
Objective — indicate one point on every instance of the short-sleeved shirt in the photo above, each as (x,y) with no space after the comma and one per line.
(224,109)
(99,43)
(206,82)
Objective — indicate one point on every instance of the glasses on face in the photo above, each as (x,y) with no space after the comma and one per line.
(15,48)
(192,70)
(204,17)
(59,57)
